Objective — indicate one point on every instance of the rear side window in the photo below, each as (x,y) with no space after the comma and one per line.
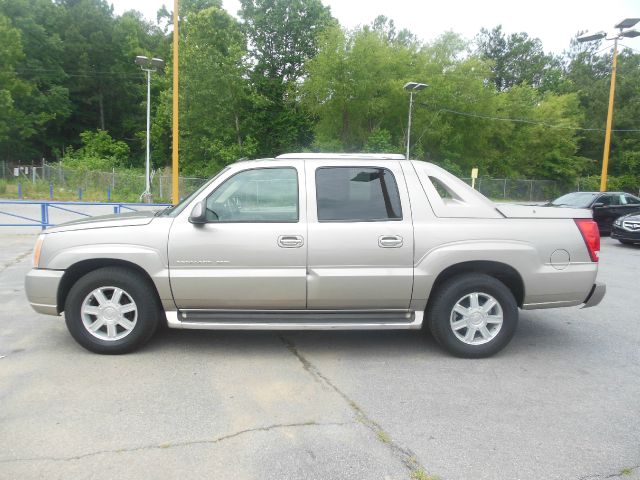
(357,194)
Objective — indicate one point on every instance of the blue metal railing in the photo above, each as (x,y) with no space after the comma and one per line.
(44,222)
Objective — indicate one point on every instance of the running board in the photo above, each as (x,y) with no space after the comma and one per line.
(294,320)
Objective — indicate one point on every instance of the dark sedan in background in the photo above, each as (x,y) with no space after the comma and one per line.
(626,229)
(606,206)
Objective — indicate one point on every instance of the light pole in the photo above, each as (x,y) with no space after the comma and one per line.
(148,65)
(412,87)
(626,23)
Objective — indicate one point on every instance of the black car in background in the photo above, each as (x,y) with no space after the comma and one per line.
(606,206)
(626,229)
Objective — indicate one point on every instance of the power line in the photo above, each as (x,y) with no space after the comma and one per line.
(529,122)
(630,48)
(61,72)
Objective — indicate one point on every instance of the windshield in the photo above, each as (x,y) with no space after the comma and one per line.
(179,207)
(576,200)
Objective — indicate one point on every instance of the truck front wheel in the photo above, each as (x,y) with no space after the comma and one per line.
(472,315)
(111,310)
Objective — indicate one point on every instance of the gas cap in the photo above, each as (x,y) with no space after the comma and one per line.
(560,259)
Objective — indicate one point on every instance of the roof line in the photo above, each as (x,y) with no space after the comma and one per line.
(343,156)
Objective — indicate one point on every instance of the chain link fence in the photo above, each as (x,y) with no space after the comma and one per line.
(115,185)
(117,182)
(510,189)
(53,180)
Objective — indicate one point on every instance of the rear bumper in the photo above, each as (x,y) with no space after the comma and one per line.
(595,295)
(41,287)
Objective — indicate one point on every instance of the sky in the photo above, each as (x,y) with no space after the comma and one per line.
(554,22)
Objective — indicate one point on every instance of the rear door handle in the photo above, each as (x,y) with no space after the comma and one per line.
(290,241)
(390,241)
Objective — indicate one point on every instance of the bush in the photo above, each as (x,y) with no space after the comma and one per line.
(99,152)
(619,183)
(379,141)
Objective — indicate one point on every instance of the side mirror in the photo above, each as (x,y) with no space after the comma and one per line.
(198,214)
(598,205)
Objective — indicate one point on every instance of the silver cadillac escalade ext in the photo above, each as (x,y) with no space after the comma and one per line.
(318,241)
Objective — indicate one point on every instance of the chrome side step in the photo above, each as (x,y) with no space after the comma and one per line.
(294,320)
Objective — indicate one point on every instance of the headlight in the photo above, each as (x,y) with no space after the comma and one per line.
(618,222)
(37,250)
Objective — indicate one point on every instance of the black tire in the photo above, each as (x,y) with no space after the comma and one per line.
(136,287)
(445,298)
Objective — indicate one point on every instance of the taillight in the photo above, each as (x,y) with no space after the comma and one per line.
(589,230)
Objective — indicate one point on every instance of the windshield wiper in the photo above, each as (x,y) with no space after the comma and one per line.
(164,210)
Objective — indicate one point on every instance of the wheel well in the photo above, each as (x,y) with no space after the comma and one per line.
(500,271)
(80,269)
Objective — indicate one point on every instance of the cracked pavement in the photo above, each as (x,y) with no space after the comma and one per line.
(561,402)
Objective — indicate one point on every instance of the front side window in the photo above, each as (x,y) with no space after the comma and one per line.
(357,194)
(631,200)
(614,199)
(257,195)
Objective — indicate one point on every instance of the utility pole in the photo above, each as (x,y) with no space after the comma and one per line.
(624,24)
(175,132)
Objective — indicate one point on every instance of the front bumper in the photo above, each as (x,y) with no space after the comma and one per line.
(42,290)
(622,234)
(595,295)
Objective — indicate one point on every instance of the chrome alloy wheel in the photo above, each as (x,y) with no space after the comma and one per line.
(476,318)
(109,313)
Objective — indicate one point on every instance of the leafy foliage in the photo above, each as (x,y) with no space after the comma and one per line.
(287,77)
(99,152)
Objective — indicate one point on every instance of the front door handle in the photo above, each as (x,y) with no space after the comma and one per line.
(390,241)
(290,241)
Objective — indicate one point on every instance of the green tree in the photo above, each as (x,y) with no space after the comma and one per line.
(517,59)
(35,103)
(214,92)
(283,37)
(589,75)
(354,87)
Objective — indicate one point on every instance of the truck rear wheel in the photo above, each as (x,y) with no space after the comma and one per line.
(472,315)
(111,310)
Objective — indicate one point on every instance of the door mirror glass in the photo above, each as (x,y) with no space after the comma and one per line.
(198,214)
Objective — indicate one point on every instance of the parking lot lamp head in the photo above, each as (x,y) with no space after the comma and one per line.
(142,60)
(627,23)
(591,38)
(630,33)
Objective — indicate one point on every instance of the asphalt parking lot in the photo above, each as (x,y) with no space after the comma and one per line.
(562,401)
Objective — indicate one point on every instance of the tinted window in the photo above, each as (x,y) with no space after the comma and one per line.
(258,195)
(577,200)
(631,200)
(357,194)
(607,200)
